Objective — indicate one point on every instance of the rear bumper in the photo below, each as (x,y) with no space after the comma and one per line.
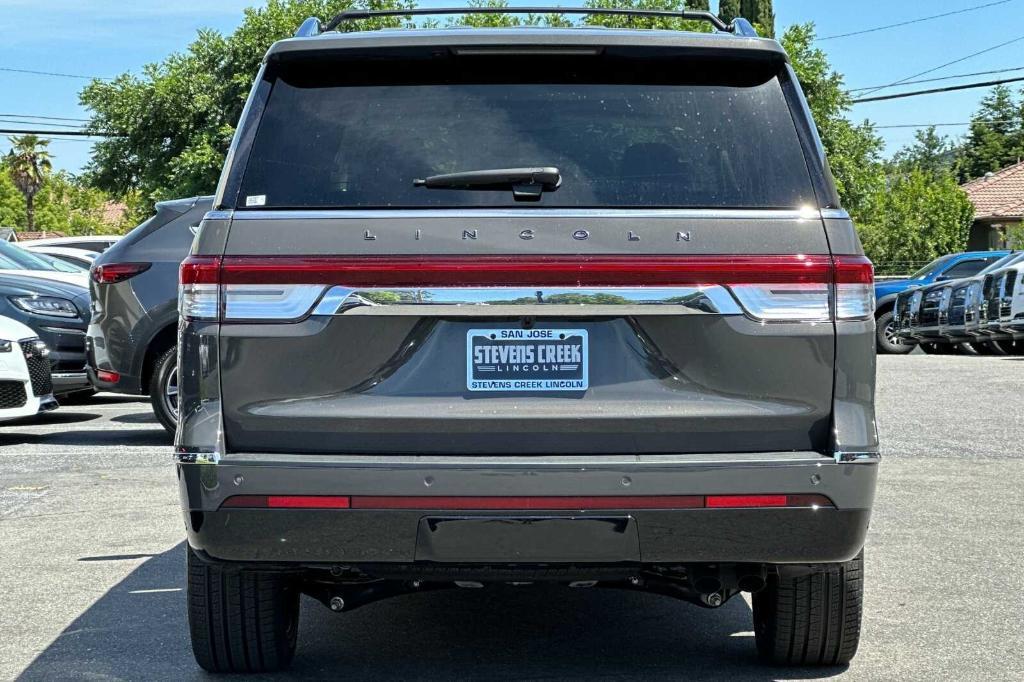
(70,382)
(404,536)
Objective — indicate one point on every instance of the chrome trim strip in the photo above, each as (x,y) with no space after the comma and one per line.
(222,214)
(497,301)
(837,213)
(857,457)
(689,213)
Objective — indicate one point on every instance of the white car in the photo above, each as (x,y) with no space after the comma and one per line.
(25,384)
(79,257)
(90,242)
(15,260)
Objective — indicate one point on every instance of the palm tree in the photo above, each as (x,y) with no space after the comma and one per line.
(28,162)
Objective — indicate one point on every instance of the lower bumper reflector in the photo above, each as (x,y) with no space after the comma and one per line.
(428,503)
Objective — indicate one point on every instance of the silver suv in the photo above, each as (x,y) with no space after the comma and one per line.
(567,305)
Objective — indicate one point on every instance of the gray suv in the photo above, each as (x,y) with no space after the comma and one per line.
(537,305)
(133,331)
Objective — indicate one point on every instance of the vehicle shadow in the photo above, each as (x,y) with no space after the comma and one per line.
(96,438)
(138,630)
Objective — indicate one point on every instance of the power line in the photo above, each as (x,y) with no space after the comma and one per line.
(79,133)
(48,118)
(942,66)
(915,21)
(24,122)
(923,80)
(52,73)
(938,125)
(951,88)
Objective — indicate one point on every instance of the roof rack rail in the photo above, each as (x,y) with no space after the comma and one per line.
(312,26)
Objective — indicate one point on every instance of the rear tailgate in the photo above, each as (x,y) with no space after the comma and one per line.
(385,362)
(671,296)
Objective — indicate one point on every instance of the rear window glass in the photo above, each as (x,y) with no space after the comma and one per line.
(686,136)
(965,268)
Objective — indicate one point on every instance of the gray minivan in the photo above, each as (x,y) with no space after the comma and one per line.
(132,334)
(533,305)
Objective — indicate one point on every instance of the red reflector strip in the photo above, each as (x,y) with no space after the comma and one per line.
(730,501)
(854,270)
(524,270)
(527,503)
(469,503)
(289,501)
(105,375)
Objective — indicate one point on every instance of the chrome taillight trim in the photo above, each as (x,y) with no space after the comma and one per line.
(498,301)
(277,302)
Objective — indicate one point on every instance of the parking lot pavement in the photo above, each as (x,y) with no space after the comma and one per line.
(92,572)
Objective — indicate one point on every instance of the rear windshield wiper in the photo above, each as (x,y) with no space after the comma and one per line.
(527,184)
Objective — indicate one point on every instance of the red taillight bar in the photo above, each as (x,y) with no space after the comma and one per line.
(112,273)
(479,270)
(200,270)
(524,503)
(853,270)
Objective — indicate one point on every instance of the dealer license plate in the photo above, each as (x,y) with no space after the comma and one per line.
(527,360)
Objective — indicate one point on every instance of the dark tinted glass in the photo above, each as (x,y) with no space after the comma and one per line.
(965,268)
(690,136)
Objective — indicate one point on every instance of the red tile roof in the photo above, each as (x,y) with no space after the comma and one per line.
(25,236)
(1000,195)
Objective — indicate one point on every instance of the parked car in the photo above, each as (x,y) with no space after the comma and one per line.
(92,242)
(951,316)
(79,257)
(15,260)
(134,287)
(454,319)
(1011,312)
(942,269)
(25,388)
(58,313)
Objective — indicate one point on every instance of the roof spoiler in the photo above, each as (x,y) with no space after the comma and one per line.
(312,27)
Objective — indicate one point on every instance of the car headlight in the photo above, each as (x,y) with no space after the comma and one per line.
(51,306)
(5,346)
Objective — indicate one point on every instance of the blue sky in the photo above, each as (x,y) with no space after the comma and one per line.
(107,37)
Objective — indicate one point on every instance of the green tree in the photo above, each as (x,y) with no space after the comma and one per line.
(178,116)
(664,23)
(931,152)
(853,151)
(729,10)
(761,14)
(12,203)
(996,138)
(918,217)
(28,164)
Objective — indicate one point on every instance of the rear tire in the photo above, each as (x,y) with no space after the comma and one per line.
(240,621)
(811,619)
(885,340)
(165,371)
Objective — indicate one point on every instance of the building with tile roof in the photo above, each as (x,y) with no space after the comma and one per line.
(998,200)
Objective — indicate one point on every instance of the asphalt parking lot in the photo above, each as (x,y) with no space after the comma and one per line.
(92,571)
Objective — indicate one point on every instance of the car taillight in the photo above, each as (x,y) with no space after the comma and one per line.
(770,288)
(855,288)
(199,288)
(112,273)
